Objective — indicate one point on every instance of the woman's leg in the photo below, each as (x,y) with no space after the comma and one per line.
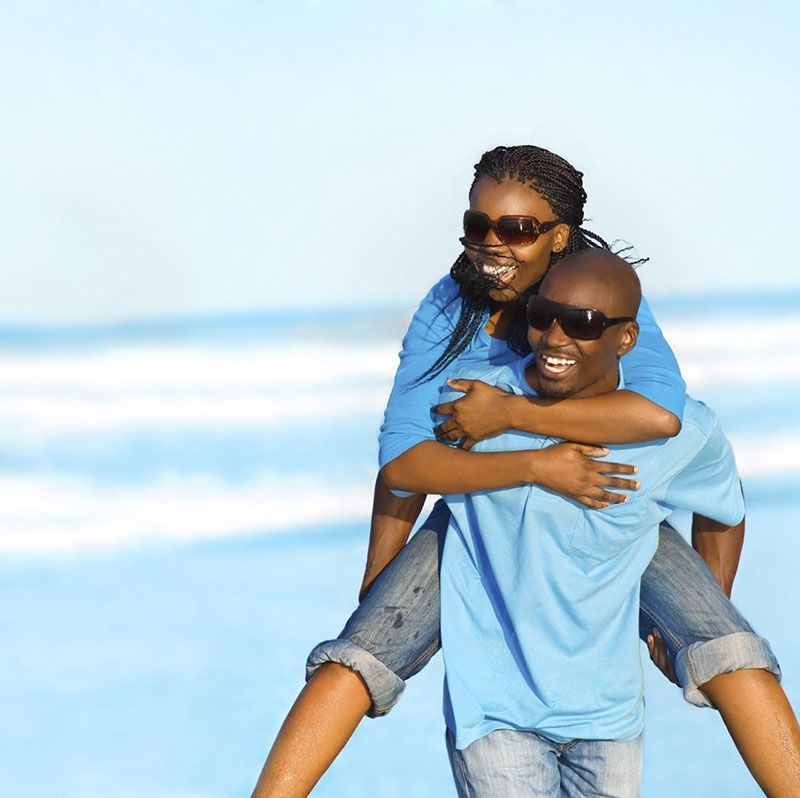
(721,662)
(392,635)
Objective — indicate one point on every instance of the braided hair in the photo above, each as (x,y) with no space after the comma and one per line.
(561,185)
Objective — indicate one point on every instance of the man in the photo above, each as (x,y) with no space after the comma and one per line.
(540,595)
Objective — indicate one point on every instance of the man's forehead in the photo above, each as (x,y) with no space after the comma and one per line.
(578,291)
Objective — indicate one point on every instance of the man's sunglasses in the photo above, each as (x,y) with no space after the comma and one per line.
(514,231)
(583,324)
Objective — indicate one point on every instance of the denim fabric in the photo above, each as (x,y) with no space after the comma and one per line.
(703,632)
(394,632)
(516,764)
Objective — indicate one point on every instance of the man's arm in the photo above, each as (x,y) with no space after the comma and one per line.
(720,546)
(393,518)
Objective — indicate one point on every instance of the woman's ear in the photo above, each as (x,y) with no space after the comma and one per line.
(560,237)
(629,337)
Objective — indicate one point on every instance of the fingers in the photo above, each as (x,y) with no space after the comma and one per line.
(607,496)
(624,484)
(592,451)
(448,432)
(592,504)
(461,385)
(660,655)
(617,468)
(468,443)
(445,409)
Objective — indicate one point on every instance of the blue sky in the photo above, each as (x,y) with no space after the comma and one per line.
(170,157)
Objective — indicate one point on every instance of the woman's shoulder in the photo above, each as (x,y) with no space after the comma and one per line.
(443,295)
(441,306)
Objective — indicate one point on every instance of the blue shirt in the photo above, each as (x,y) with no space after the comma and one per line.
(650,368)
(540,596)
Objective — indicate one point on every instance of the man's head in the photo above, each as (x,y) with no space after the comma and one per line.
(569,365)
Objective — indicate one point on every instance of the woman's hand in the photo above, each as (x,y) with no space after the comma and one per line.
(571,470)
(483,412)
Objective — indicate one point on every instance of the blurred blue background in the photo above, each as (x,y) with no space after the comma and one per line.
(216,220)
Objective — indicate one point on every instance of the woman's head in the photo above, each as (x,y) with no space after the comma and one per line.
(523,181)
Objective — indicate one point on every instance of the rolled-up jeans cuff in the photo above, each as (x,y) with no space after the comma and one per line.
(701,662)
(384,686)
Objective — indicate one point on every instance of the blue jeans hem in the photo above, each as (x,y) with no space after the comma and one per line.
(702,661)
(383,685)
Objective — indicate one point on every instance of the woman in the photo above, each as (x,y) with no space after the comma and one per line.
(526,212)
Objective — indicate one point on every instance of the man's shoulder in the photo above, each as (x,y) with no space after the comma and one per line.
(509,376)
(698,418)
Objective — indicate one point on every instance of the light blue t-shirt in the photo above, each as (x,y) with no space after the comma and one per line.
(540,595)
(650,368)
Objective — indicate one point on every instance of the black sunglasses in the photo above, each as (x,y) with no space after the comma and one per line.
(583,324)
(514,231)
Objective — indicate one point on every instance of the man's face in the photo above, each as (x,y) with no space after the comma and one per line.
(569,367)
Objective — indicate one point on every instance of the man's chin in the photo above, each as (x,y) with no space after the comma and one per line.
(555,389)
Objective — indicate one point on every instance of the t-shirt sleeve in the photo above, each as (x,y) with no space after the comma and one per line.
(709,484)
(651,369)
(407,420)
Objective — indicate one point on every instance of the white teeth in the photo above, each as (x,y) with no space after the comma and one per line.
(496,271)
(558,361)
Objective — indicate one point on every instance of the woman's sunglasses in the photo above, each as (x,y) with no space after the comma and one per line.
(583,324)
(514,231)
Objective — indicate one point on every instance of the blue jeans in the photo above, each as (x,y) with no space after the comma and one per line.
(394,632)
(516,764)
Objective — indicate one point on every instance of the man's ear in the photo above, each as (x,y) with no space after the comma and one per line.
(629,337)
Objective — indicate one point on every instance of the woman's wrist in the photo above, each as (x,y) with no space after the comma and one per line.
(514,410)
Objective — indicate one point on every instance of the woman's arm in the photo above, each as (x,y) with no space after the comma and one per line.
(617,417)
(393,518)
(650,407)
(568,468)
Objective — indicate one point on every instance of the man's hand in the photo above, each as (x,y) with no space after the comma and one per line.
(660,656)
(571,470)
(484,411)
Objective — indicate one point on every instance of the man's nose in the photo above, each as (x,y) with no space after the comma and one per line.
(554,336)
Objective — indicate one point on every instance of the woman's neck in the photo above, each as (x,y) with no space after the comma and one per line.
(500,314)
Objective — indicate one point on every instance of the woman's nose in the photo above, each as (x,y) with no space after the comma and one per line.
(492,238)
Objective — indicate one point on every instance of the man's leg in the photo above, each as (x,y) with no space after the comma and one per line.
(602,768)
(392,635)
(721,662)
(505,764)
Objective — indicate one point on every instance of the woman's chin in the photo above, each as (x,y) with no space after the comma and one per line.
(507,293)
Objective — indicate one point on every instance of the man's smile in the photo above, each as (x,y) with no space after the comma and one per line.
(554,366)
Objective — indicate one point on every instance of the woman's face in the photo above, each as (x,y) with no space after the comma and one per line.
(516,267)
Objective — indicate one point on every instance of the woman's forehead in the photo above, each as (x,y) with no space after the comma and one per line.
(509,198)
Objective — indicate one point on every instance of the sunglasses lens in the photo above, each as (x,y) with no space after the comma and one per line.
(516,231)
(582,328)
(476,226)
(583,325)
(539,320)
